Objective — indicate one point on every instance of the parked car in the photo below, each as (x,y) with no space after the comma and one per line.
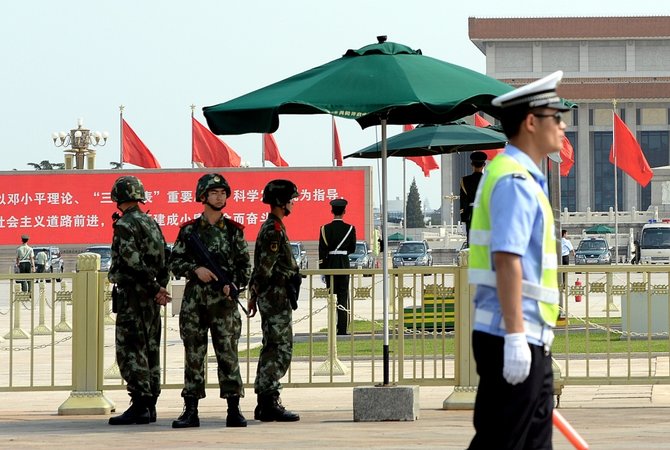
(362,257)
(412,253)
(300,255)
(54,259)
(105,252)
(593,250)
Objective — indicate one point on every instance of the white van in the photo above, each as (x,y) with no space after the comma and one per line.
(653,246)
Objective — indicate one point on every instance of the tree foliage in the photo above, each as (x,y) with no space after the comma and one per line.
(414,210)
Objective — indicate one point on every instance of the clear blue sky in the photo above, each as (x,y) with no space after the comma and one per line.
(73,58)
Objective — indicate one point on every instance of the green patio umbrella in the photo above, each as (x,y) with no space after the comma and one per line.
(380,81)
(379,84)
(599,229)
(429,140)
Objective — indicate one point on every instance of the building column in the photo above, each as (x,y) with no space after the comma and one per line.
(583,163)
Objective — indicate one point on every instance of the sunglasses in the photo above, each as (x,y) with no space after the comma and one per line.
(558,116)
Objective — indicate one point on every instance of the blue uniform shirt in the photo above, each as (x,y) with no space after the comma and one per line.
(517,226)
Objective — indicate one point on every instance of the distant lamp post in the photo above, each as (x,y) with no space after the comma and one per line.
(80,140)
(452,198)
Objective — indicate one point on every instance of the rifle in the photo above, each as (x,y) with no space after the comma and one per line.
(204,256)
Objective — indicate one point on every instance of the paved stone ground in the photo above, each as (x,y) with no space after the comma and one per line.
(608,417)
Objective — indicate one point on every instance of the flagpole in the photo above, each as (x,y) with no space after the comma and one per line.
(192,135)
(404,201)
(263,150)
(332,140)
(616,191)
(121,134)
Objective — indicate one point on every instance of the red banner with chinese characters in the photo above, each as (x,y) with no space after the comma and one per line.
(74,207)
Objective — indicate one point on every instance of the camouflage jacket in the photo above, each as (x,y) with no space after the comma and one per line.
(273,260)
(138,252)
(224,240)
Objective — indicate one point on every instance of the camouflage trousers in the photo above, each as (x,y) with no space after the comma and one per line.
(138,340)
(277,350)
(203,311)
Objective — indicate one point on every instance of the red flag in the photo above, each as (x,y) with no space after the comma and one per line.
(134,150)
(427,163)
(483,123)
(337,151)
(567,157)
(629,156)
(271,151)
(209,150)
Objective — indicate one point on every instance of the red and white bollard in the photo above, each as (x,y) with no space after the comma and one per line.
(578,297)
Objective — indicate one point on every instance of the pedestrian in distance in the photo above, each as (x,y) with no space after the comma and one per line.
(25,261)
(513,263)
(275,283)
(140,275)
(40,262)
(337,240)
(210,304)
(468,190)
(566,250)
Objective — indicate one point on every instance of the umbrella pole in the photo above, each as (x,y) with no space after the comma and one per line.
(385,269)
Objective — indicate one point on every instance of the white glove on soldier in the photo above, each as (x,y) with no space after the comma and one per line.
(516,362)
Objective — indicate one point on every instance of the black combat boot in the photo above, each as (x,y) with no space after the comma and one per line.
(189,417)
(235,417)
(138,413)
(271,410)
(257,410)
(151,405)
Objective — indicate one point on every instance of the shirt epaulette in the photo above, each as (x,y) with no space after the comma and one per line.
(190,222)
(235,223)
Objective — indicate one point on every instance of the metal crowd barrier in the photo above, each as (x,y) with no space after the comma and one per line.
(614,330)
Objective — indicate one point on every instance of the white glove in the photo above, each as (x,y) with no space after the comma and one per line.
(516,362)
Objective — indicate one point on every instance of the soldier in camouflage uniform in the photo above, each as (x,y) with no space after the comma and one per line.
(274,270)
(207,308)
(140,274)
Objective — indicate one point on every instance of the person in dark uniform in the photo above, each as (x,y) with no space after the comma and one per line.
(336,240)
(469,185)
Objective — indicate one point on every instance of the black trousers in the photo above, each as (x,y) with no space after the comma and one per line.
(341,290)
(511,417)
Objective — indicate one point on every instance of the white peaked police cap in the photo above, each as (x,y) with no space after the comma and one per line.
(539,93)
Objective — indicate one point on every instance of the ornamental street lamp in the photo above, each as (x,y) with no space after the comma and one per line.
(80,140)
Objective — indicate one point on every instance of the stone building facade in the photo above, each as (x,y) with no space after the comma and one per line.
(611,64)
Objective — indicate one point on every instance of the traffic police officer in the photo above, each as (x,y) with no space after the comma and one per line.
(336,241)
(513,263)
(272,281)
(469,185)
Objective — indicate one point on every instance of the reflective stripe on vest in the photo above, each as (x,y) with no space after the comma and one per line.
(480,259)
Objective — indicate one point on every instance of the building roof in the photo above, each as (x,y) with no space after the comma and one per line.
(567,28)
(607,88)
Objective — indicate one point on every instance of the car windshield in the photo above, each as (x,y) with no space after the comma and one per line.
(295,250)
(655,238)
(104,252)
(591,246)
(360,249)
(411,248)
(39,249)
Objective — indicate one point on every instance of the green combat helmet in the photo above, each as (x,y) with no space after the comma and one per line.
(128,189)
(211,181)
(279,192)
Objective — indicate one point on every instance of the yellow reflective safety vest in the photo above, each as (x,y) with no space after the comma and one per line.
(481,260)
